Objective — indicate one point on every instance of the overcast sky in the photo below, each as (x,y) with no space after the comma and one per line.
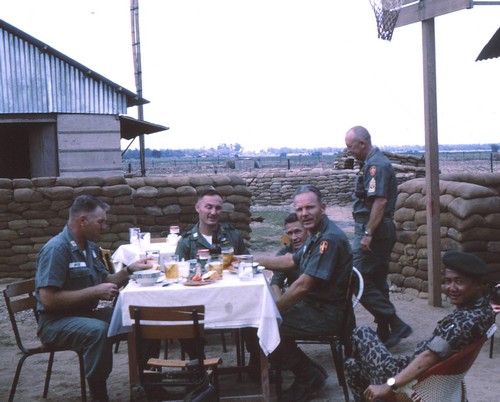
(273,73)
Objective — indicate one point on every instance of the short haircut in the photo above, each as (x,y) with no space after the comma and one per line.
(291,218)
(86,204)
(209,192)
(361,134)
(309,188)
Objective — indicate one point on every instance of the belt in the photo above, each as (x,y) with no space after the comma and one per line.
(359,218)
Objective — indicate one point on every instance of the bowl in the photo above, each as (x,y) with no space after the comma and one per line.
(148,277)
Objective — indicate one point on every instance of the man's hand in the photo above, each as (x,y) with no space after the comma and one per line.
(365,244)
(140,265)
(374,392)
(106,291)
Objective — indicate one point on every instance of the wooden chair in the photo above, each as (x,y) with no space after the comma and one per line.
(108,262)
(496,310)
(19,298)
(174,378)
(445,380)
(339,343)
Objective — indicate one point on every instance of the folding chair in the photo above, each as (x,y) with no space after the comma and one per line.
(339,343)
(445,380)
(171,379)
(19,297)
(496,310)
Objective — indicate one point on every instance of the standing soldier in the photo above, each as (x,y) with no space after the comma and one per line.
(375,232)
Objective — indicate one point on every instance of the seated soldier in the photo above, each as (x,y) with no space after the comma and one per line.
(373,373)
(296,235)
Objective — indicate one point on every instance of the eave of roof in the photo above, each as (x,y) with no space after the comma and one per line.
(131,128)
(491,49)
(132,98)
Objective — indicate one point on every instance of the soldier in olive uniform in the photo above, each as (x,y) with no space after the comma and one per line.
(375,233)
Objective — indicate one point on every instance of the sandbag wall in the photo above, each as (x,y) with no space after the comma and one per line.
(470,222)
(33,211)
(276,186)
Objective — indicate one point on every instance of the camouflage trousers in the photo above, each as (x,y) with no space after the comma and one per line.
(371,362)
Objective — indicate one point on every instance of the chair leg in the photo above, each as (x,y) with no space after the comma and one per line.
(82,378)
(48,374)
(16,377)
(492,340)
(223,341)
(117,345)
(338,361)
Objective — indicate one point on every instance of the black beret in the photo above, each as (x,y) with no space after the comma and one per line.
(466,263)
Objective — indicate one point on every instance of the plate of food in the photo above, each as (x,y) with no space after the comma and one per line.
(190,282)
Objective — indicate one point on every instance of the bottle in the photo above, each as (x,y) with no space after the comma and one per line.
(215,248)
(173,237)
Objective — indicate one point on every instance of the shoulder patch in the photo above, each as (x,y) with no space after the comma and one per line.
(372,185)
(323,247)
(373,170)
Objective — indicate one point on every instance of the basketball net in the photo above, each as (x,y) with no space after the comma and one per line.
(386,13)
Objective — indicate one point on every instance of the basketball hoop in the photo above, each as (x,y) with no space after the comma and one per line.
(386,13)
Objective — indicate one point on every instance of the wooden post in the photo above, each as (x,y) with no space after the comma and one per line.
(432,163)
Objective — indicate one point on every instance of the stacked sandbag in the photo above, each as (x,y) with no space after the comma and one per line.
(469,218)
(33,211)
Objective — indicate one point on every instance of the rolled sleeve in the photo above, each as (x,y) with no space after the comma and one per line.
(440,347)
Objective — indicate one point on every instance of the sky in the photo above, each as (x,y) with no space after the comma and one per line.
(278,73)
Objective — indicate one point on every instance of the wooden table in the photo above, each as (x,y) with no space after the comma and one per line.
(225,308)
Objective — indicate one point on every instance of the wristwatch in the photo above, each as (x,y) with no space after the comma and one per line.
(129,271)
(367,233)
(391,382)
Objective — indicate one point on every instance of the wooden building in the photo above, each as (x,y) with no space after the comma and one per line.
(58,117)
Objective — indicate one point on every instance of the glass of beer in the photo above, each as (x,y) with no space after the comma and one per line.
(171,264)
(227,257)
(214,263)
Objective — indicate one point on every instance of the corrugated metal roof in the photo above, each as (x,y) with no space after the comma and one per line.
(492,48)
(35,78)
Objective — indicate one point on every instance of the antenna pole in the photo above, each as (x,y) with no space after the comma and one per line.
(136,50)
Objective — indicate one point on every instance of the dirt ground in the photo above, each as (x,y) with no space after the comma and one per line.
(480,381)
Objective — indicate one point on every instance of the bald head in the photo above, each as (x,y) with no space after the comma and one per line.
(358,142)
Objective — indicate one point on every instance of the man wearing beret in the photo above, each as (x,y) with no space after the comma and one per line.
(374,373)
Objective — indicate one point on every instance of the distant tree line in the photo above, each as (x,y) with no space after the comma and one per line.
(236,150)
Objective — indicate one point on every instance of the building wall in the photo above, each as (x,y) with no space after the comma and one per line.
(88,145)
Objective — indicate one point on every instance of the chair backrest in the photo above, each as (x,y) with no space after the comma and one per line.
(20,297)
(444,380)
(158,240)
(354,292)
(183,322)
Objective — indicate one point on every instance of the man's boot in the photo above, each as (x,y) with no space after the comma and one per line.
(308,380)
(399,330)
(98,390)
(383,332)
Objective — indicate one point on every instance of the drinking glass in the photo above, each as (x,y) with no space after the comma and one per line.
(227,256)
(214,263)
(134,235)
(184,270)
(245,267)
(171,264)
(144,240)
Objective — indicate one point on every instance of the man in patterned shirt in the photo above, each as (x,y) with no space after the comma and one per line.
(373,364)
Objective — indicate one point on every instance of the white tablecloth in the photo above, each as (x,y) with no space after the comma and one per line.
(126,254)
(229,303)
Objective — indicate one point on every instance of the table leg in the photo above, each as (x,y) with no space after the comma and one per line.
(264,376)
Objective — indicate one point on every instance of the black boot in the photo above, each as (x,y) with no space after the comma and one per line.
(383,332)
(308,380)
(399,330)
(98,390)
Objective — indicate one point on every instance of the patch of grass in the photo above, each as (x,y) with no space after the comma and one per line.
(266,235)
